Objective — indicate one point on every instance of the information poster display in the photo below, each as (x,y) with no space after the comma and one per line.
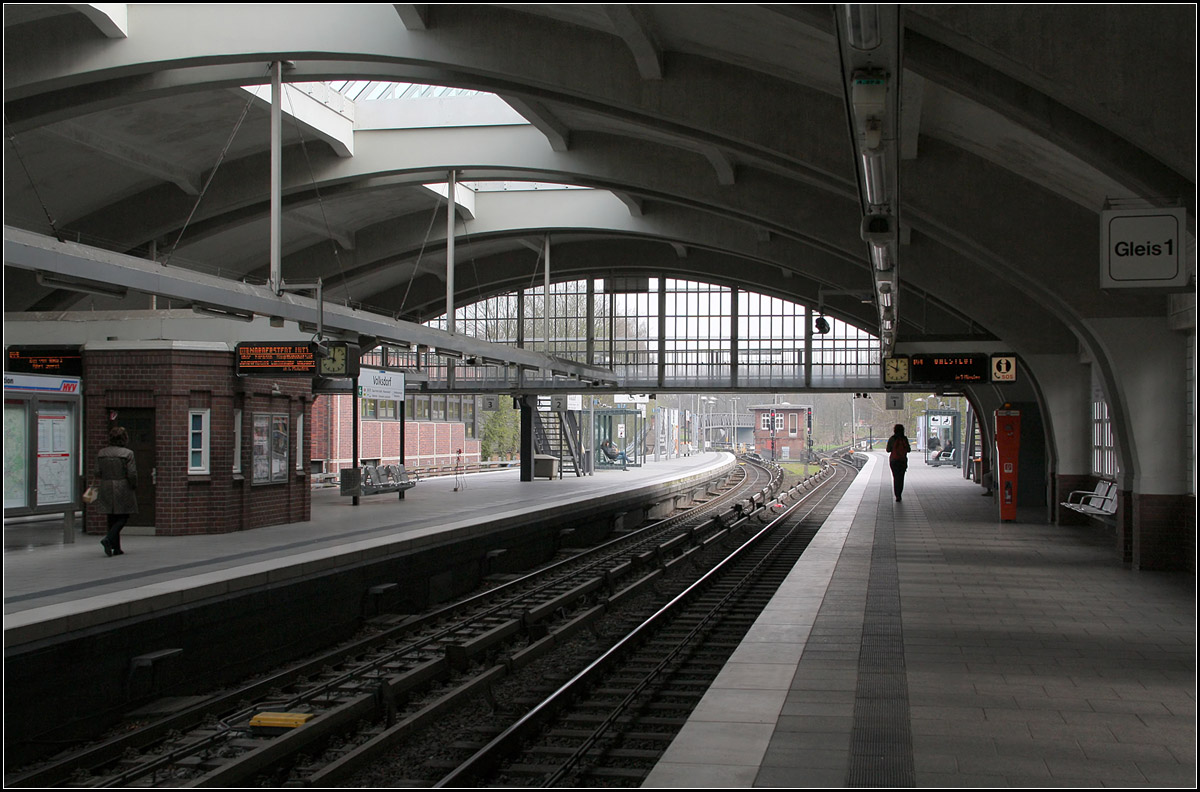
(16,476)
(41,443)
(54,459)
(269,448)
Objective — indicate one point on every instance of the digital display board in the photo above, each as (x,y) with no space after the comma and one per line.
(67,361)
(935,369)
(276,359)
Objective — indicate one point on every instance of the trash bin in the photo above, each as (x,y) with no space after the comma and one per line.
(545,465)
(351,481)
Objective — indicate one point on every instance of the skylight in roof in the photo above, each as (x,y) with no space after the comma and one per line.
(373,90)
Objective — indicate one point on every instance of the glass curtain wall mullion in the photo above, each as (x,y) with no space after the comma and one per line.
(698,321)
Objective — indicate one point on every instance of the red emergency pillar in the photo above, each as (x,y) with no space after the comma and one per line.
(1008,444)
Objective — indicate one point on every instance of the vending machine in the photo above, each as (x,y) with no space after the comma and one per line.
(1008,446)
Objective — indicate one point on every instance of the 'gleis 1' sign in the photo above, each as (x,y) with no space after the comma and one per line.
(1140,248)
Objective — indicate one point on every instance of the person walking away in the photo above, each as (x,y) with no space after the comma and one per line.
(117,496)
(898,449)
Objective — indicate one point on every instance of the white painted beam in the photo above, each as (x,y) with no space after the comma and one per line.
(634,26)
(126,153)
(111,19)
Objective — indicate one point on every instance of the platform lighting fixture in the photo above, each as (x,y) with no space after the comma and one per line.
(52,281)
(821,326)
(875,177)
(224,313)
(881,258)
(862,26)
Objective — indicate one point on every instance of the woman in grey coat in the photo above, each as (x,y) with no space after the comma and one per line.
(117,498)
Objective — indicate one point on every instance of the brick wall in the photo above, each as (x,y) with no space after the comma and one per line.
(171,382)
(426,443)
(1164,532)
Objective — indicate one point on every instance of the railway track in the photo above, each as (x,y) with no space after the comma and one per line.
(369,694)
(609,724)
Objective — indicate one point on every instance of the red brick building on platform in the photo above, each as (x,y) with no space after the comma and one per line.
(434,430)
(783,431)
(215,453)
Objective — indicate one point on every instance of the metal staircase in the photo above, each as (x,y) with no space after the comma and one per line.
(557,434)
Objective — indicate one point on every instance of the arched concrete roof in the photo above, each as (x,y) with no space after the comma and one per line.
(721,129)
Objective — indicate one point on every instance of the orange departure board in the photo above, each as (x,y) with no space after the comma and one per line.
(276,359)
(66,361)
(936,369)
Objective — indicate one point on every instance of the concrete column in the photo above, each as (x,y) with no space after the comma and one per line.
(450,253)
(1144,371)
(528,404)
(276,263)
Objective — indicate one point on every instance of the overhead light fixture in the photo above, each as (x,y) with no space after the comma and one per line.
(875,177)
(224,313)
(862,26)
(52,281)
(821,326)
(881,258)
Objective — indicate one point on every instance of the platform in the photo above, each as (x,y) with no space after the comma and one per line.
(924,643)
(51,588)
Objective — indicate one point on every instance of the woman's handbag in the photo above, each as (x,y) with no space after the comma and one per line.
(90,495)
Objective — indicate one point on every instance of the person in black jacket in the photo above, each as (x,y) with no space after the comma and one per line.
(898,449)
(116,496)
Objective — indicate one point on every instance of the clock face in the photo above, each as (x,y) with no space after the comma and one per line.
(895,369)
(335,363)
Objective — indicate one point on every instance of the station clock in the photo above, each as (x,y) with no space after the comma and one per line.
(895,370)
(341,360)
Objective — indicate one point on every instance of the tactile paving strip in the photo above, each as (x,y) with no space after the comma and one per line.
(881,753)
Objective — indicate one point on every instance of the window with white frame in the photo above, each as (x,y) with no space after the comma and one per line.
(237,441)
(765,424)
(300,452)
(1104,452)
(198,445)
(793,424)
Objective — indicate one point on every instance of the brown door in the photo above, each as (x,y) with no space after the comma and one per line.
(139,423)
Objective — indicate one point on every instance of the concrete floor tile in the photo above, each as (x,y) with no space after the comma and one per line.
(667,775)
(807,778)
(739,706)
(1002,766)
(823,723)
(1101,770)
(719,744)
(1169,773)
(958,780)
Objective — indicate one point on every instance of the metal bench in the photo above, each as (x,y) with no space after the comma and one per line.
(1099,502)
(944,458)
(378,480)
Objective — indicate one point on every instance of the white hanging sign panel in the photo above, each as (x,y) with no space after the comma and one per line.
(380,384)
(1141,248)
